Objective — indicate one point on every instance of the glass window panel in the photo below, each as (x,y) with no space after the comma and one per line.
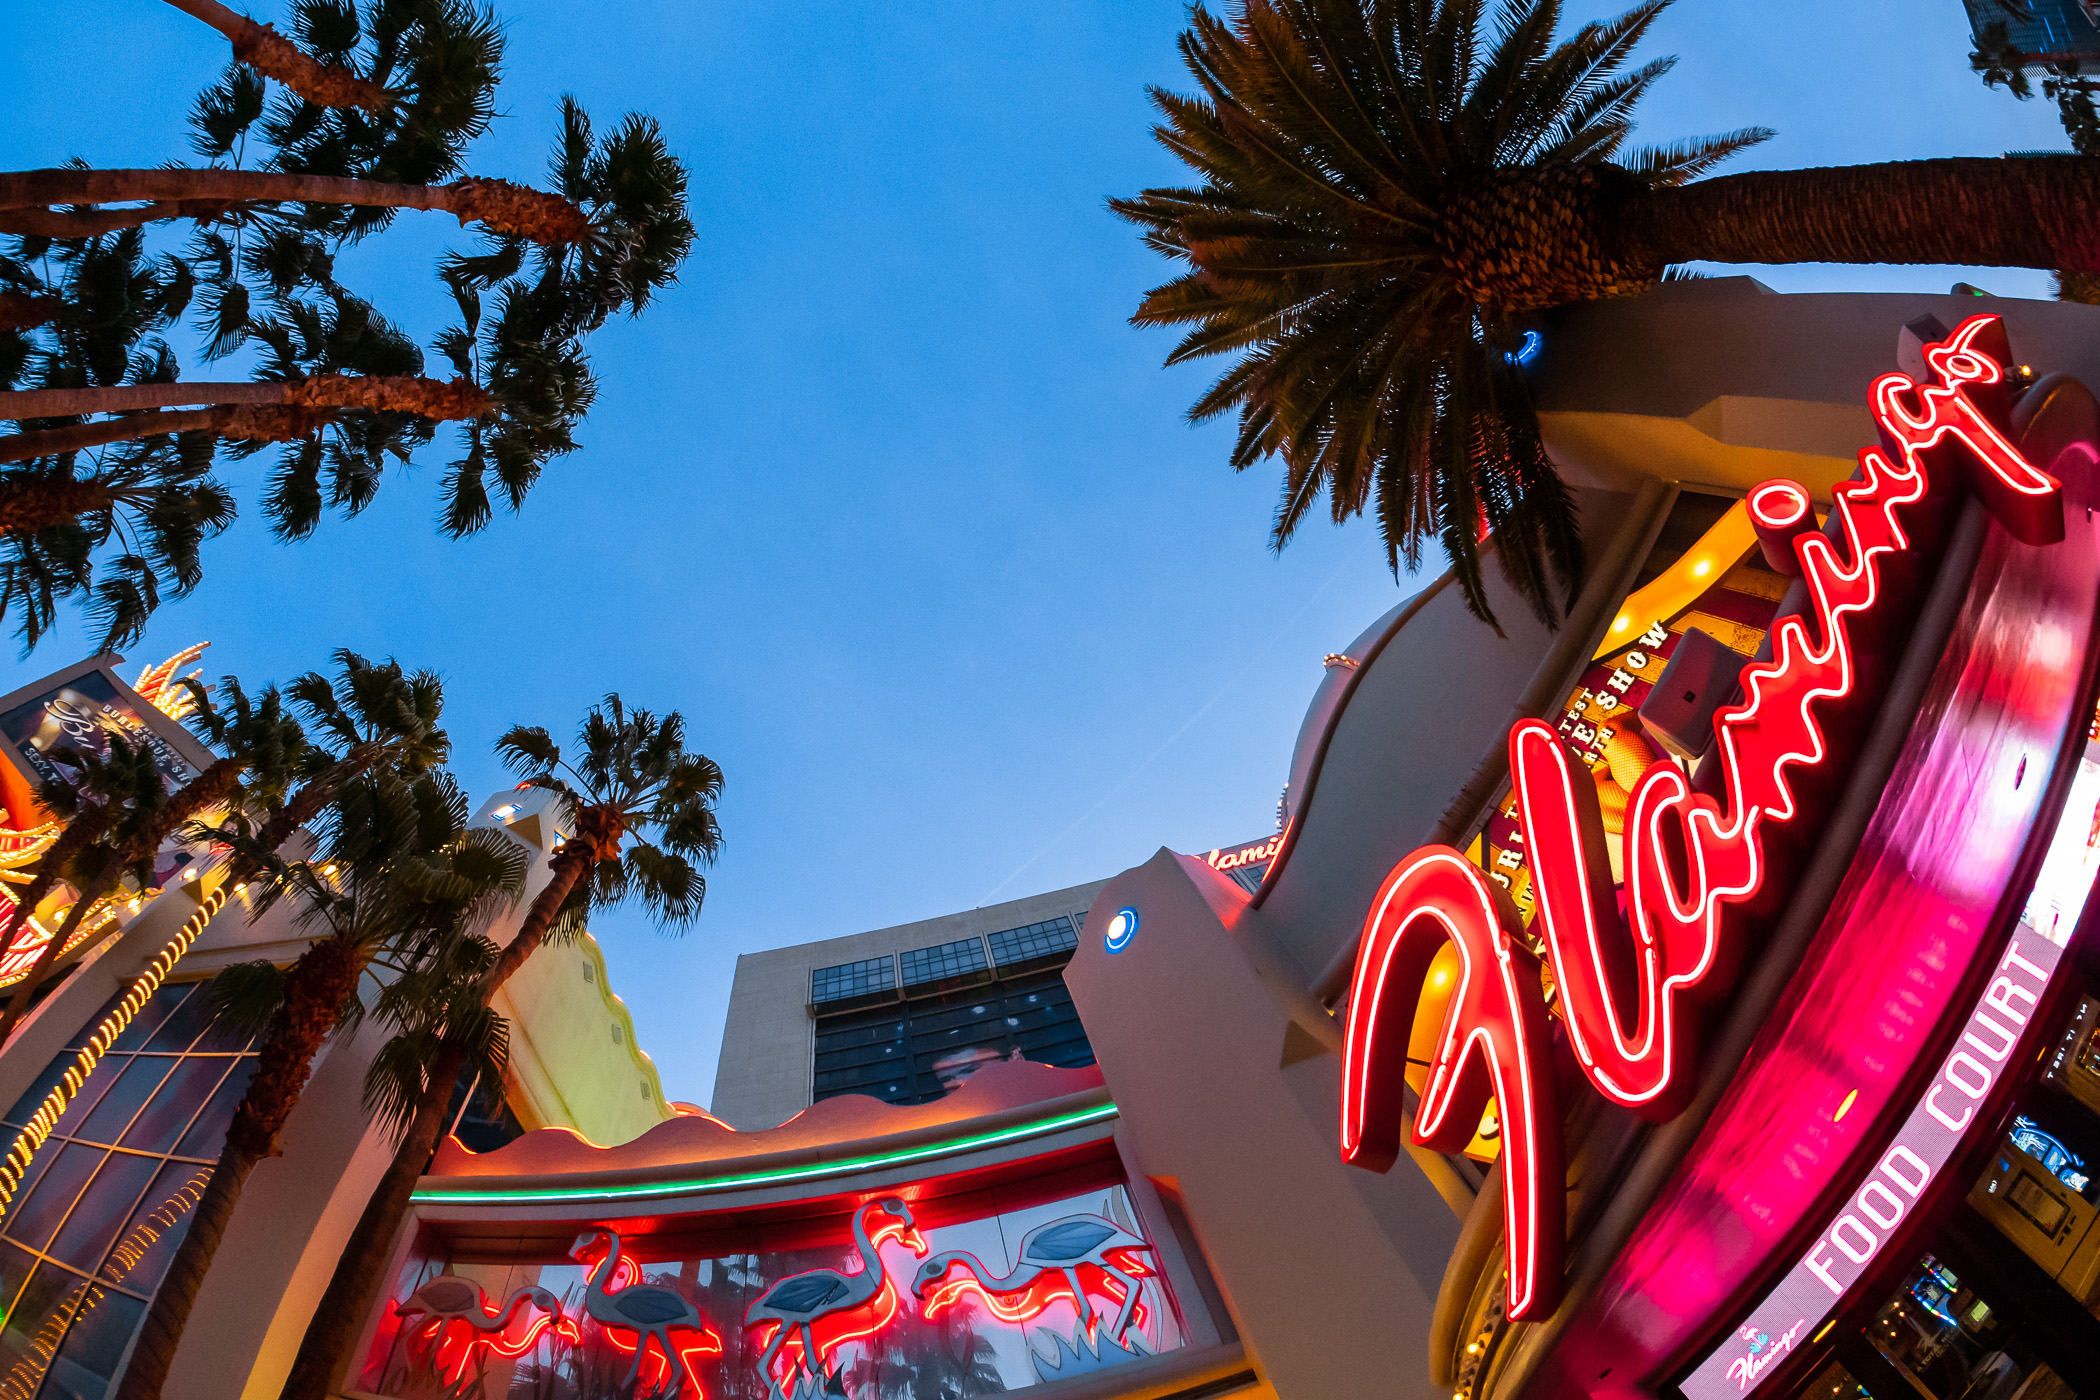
(854,979)
(184,1023)
(39,1318)
(966,1350)
(861,1055)
(126,1095)
(859,1035)
(37,1217)
(102,1208)
(208,1134)
(34,1171)
(101,1330)
(221,1039)
(15,1266)
(155,1229)
(149,1017)
(1047,939)
(923,965)
(84,1102)
(159,1126)
(33,1096)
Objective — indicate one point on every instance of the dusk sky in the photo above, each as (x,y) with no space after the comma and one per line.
(886,496)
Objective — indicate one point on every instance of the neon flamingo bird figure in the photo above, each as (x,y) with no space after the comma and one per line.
(449,1299)
(800,1301)
(1062,1246)
(643,1309)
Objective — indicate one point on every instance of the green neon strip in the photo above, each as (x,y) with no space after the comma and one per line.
(815,1169)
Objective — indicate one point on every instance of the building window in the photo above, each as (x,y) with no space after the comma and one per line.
(869,979)
(951,964)
(932,1045)
(1021,947)
(480,1115)
(106,1200)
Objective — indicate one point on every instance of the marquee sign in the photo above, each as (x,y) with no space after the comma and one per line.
(1924,1143)
(1705,861)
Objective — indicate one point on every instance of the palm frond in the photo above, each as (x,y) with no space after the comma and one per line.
(1333,141)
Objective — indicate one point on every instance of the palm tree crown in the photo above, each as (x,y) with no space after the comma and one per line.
(632,777)
(1372,228)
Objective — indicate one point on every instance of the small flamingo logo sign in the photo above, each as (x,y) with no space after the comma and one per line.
(1765,1352)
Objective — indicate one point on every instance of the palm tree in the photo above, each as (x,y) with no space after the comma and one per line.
(403,878)
(154,497)
(632,779)
(2001,62)
(259,745)
(630,236)
(286,183)
(374,718)
(262,48)
(1389,196)
(116,796)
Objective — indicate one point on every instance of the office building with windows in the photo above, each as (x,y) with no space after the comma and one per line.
(902,1014)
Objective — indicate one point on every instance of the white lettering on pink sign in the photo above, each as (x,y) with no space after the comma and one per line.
(1765,1352)
(1811,1289)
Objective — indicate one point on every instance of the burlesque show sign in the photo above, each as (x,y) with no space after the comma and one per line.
(1704,863)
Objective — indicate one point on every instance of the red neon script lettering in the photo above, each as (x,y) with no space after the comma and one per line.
(1494,1044)
(1695,865)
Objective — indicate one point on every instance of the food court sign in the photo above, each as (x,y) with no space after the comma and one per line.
(1701,871)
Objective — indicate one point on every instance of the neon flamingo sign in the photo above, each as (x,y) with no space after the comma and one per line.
(1700,868)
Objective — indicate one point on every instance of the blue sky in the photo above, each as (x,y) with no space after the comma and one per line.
(886,496)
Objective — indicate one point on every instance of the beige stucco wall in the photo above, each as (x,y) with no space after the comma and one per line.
(574,1062)
(1725,382)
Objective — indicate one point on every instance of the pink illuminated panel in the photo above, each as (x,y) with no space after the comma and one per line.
(1793,1140)
(1939,1120)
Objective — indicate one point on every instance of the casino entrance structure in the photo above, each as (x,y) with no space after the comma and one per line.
(1707,987)
(1695,1001)
(1698,1001)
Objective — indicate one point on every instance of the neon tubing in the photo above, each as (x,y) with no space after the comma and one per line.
(811,1172)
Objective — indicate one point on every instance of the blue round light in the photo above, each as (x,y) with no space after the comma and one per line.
(1121,929)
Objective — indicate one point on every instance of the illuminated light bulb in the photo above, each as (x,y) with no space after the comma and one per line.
(1702,568)
(1843,1109)
(189,874)
(1622,622)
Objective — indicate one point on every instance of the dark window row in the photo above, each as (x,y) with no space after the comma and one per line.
(940,1041)
(1047,939)
(962,960)
(851,981)
(961,963)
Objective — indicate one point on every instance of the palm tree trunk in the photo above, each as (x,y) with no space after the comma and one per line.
(2026,211)
(340,1316)
(567,867)
(19,310)
(314,992)
(269,53)
(80,832)
(392,393)
(269,412)
(162,1329)
(208,789)
(31,196)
